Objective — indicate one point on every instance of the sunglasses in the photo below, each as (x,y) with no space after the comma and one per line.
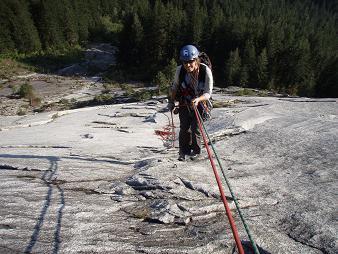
(189,62)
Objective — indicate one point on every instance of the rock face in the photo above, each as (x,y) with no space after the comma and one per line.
(76,183)
(98,57)
(78,83)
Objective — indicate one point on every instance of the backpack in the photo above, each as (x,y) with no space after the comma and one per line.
(205,59)
(205,107)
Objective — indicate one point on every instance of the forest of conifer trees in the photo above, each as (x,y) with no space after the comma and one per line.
(284,45)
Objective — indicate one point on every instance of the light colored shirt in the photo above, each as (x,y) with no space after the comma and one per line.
(206,86)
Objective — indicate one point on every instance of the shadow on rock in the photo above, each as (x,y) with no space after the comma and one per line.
(47,179)
(247,246)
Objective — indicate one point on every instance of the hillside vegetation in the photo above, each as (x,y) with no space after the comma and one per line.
(287,46)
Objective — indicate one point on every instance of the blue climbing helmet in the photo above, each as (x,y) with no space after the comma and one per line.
(188,53)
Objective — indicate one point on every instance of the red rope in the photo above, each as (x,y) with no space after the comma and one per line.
(168,132)
(226,205)
(173,128)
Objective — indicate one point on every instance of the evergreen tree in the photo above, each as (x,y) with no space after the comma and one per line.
(156,39)
(262,69)
(48,24)
(196,17)
(274,40)
(233,68)
(6,42)
(161,82)
(131,42)
(68,23)
(290,45)
(170,69)
(327,85)
(249,60)
(82,24)
(243,76)
(174,30)
(18,27)
(304,79)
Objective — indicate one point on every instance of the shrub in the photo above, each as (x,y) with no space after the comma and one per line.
(34,102)
(103,98)
(224,104)
(128,90)
(56,115)
(108,87)
(26,91)
(64,101)
(21,112)
(161,82)
(13,88)
(245,92)
(143,95)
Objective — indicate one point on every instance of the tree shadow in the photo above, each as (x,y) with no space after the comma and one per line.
(52,61)
(47,179)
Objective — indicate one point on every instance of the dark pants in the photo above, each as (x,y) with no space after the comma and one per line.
(190,135)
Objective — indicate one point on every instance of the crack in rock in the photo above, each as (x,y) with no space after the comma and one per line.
(298,227)
(117,188)
(9,167)
(36,146)
(226,133)
(105,123)
(125,131)
(201,187)
(160,211)
(109,125)
(138,182)
(6,226)
(87,136)
(307,244)
(86,191)
(146,163)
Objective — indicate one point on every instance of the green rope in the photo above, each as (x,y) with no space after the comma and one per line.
(230,189)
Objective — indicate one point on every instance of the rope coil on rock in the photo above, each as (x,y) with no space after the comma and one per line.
(168,134)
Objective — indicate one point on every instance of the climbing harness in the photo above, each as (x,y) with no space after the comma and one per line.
(228,212)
